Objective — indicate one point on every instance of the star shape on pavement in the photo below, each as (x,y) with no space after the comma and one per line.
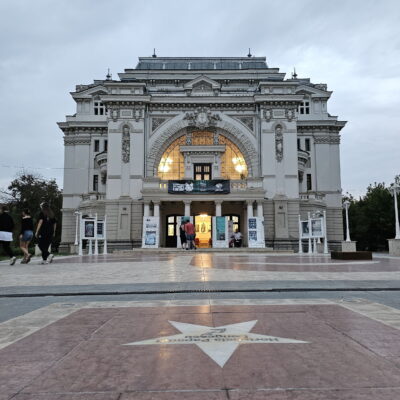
(219,343)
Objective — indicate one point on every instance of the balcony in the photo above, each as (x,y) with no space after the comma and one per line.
(313,196)
(302,157)
(93,196)
(101,160)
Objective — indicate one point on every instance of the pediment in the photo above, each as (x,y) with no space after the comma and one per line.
(313,91)
(94,92)
(202,83)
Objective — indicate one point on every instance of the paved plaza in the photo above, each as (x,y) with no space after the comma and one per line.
(200,325)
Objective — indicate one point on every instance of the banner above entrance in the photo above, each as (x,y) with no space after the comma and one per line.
(217,186)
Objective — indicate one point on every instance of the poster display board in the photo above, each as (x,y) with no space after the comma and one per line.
(100,230)
(313,229)
(93,230)
(151,232)
(220,233)
(317,227)
(88,228)
(317,230)
(305,231)
(255,232)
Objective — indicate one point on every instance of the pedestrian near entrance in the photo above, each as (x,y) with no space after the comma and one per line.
(190,232)
(45,232)
(6,229)
(26,235)
(237,238)
(182,235)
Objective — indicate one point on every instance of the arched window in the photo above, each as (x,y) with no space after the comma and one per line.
(233,164)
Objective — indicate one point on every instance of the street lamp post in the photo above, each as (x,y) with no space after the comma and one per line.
(394,190)
(346,205)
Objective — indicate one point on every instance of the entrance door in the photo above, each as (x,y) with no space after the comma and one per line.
(202,172)
(203,227)
(171,232)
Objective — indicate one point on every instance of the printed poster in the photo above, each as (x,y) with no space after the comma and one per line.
(316,228)
(220,227)
(150,237)
(100,229)
(88,226)
(305,232)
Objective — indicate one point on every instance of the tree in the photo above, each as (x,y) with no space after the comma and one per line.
(371,218)
(29,190)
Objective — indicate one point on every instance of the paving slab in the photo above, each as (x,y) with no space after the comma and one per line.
(275,349)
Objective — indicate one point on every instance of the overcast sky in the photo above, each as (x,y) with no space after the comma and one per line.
(49,46)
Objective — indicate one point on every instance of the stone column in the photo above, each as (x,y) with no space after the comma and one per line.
(249,208)
(146,212)
(187,207)
(218,208)
(156,208)
(260,209)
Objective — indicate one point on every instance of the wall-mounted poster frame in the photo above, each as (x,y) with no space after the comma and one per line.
(220,232)
(151,232)
(255,232)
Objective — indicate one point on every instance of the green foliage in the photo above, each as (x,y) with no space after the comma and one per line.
(371,218)
(29,191)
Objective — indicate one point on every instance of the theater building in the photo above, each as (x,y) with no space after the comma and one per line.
(202,137)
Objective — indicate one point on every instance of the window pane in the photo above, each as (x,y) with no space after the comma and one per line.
(233,165)
(171,230)
(170,219)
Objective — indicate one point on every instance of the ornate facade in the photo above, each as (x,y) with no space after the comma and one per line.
(237,120)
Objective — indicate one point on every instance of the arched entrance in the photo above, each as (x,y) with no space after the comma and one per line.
(222,159)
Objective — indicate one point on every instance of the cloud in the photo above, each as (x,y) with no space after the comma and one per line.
(48,47)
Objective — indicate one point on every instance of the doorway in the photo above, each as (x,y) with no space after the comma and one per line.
(203,228)
(171,231)
(202,172)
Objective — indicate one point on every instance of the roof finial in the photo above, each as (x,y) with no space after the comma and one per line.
(154,53)
(108,76)
(249,55)
(294,75)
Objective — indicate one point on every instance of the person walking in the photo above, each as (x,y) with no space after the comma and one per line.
(190,232)
(26,235)
(6,228)
(45,232)
(182,235)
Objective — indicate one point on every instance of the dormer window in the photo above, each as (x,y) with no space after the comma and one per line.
(304,107)
(99,108)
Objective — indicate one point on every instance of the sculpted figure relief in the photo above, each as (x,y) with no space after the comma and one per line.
(202,118)
(126,145)
(279,143)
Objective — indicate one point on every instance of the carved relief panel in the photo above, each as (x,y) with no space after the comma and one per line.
(126,144)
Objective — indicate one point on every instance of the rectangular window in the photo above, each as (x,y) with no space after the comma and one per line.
(99,108)
(105,145)
(298,144)
(309,182)
(308,145)
(95,183)
(304,107)
(96,145)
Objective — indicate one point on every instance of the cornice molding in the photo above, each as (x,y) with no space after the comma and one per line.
(70,130)
(73,141)
(191,106)
(327,139)
(313,129)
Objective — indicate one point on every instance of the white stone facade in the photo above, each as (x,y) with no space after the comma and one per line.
(116,140)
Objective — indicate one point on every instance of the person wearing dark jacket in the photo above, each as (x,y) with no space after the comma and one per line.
(26,235)
(6,229)
(45,232)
